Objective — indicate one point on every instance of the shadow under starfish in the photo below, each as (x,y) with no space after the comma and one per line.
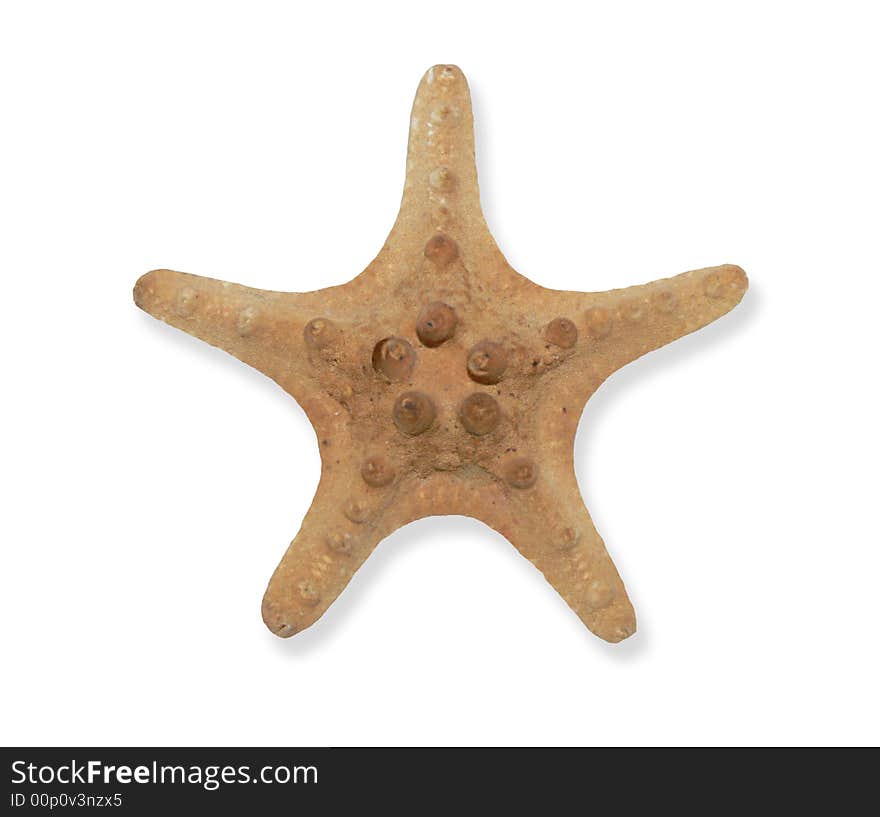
(441,381)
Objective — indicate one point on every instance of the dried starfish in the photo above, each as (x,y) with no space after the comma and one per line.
(441,381)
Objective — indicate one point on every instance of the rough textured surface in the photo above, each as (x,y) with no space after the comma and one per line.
(440,381)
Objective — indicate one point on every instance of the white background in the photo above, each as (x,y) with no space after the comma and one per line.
(151,483)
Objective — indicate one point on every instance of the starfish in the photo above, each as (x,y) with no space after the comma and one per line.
(441,381)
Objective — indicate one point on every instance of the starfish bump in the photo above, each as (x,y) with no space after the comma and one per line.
(441,381)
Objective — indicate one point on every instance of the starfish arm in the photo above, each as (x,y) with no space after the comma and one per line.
(261,328)
(538,506)
(441,170)
(620,325)
(441,196)
(551,527)
(340,530)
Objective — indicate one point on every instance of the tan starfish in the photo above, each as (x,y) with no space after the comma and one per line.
(441,381)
